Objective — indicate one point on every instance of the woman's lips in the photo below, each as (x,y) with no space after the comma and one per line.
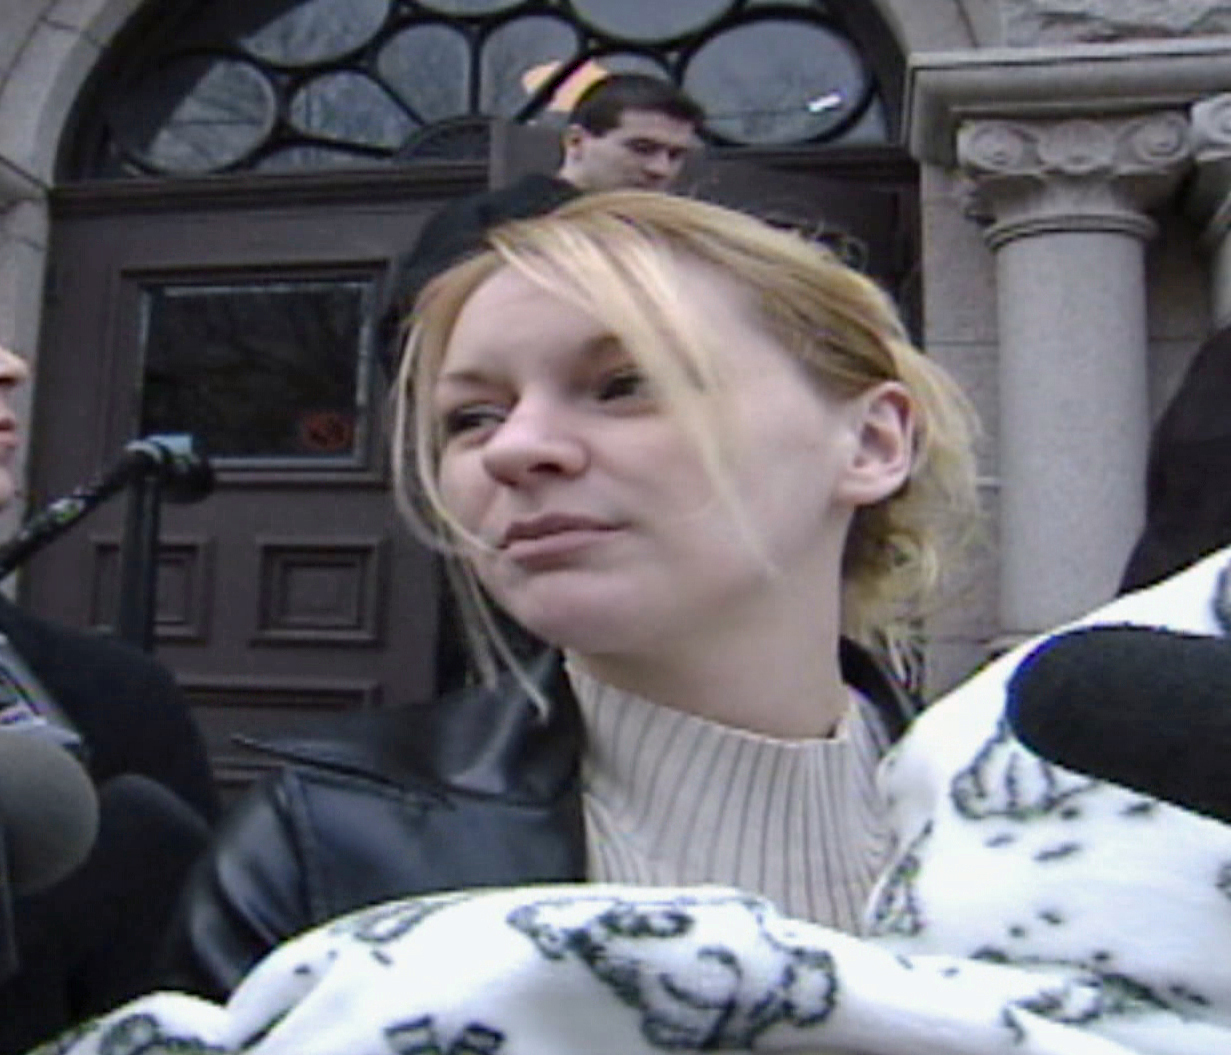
(534,528)
(550,540)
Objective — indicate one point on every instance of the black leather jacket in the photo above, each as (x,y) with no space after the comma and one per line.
(476,789)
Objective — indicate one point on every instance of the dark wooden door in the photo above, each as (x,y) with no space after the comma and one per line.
(241,310)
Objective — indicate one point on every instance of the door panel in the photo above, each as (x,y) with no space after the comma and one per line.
(293,591)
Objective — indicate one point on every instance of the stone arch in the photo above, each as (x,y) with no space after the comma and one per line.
(56,49)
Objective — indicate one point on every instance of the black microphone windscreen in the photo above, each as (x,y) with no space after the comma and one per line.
(1144,708)
(48,810)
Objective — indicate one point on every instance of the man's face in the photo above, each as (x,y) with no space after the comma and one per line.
(13,371)
(645,151)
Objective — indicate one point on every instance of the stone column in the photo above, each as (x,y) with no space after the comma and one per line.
(1065,200)
(1209,197)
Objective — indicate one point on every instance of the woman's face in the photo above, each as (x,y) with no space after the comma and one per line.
(603,531)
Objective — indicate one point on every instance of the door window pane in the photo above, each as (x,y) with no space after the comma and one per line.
(197,115)
(511,55)
(312,31)
(651,19)
(776,81)
(264,371)
(350,107)
(428,67)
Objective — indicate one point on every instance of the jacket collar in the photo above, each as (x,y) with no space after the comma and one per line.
(865,673)
(494,741)
(486,741)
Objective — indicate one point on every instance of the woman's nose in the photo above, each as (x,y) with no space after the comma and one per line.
(534,441)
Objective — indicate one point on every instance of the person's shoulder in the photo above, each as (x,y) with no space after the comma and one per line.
(482,738)
(43,643)
(532,195)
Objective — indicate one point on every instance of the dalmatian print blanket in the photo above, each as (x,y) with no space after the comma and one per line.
(1028,911)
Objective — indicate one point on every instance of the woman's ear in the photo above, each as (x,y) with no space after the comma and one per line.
(883,452)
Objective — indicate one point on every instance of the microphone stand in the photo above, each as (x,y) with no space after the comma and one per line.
(138,586)
(51,522)
(169,467)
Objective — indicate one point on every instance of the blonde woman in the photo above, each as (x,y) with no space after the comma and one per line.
(696,455)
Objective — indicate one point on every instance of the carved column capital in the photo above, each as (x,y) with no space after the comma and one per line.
(1028,177)
(1211,128)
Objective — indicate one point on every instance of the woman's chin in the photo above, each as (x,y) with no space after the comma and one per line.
(577,625)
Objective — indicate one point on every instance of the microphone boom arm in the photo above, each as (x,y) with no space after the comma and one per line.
(53,520)
(174,460)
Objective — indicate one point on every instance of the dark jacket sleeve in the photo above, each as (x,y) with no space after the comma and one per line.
(473,790)
(247,894)
(160,739)
(1188,501)
(306,845)
(129,709)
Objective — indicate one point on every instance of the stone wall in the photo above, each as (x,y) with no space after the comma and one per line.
(1032,22)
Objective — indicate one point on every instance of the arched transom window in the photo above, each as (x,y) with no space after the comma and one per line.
(277,85)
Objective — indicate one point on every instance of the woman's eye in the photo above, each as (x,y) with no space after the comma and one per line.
(624,384)
(468,419)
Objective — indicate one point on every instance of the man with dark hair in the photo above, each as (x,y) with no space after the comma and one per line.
(629,130)
(625,130)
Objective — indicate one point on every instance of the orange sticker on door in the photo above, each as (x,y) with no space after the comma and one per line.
(327,431)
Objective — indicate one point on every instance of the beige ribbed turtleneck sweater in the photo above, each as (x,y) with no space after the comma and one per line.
(672,798)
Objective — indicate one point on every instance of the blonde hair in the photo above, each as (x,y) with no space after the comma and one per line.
(613,255)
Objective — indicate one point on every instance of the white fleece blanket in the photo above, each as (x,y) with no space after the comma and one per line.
(1029,911)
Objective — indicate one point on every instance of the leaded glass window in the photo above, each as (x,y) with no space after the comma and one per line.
(211,86)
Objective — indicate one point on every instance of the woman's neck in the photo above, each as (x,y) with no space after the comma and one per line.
(779,677)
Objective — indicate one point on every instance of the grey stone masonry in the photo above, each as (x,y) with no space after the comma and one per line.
(1032,22)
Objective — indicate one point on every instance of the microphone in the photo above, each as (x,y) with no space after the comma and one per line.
(1145,708)
(179,462)
(48,811)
